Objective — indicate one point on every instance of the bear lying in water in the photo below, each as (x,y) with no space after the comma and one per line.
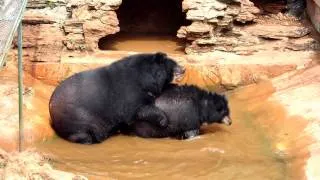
(187,108)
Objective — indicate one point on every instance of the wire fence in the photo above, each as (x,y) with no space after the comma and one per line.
(10,19)
(10,16)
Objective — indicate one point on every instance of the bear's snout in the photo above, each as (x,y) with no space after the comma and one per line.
(227,120)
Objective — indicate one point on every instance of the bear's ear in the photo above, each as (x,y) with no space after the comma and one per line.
(160,57)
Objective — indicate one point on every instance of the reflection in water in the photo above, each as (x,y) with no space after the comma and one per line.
(262,143)
(142,43)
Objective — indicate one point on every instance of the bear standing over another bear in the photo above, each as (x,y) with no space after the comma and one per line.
(89,106)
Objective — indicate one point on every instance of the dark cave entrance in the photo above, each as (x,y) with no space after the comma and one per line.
(147,26)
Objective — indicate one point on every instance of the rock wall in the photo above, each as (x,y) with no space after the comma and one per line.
(237,26)
(212,25)
(53,28)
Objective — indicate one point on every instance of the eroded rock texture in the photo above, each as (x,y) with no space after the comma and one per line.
(213,23)
(92,19)
(237,26)
(54,28)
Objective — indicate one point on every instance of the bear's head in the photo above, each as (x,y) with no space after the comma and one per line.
(157,70)
(216,109)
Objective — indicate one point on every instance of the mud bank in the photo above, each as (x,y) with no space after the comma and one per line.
(30,165)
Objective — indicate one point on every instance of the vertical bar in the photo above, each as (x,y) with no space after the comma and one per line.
(20,86)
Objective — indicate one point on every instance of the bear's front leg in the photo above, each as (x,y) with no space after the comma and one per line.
(152,114)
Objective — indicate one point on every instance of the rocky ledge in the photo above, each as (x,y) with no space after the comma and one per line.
(53,28)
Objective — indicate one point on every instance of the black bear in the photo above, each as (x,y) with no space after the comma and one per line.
(89,106)
(187,108)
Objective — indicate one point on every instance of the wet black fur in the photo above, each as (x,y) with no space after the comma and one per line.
(187,108)
(89,106)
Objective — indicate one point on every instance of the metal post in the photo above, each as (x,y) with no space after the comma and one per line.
(20,85)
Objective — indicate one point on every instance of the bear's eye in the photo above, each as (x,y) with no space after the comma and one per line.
(219,108)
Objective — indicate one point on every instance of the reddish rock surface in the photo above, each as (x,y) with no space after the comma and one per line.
(35,110)
(299,93)
(219,69)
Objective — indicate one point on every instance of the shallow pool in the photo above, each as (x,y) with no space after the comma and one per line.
(262,143)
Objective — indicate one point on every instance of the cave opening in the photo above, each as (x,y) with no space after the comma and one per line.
(147,26)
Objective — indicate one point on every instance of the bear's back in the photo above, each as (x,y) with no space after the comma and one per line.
(181,105)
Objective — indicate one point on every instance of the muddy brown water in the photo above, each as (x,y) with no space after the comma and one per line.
(143,43)
(262,143)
